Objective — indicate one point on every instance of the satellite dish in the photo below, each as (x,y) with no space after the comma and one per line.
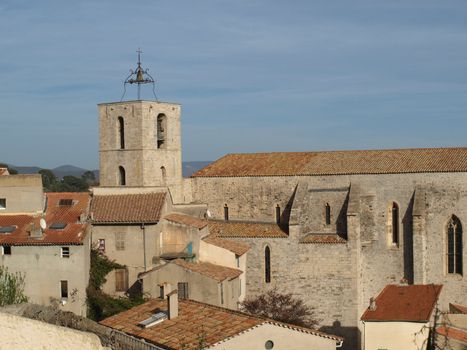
(43,224)
(208,213)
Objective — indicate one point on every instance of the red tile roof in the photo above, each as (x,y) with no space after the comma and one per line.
(395,161)
(237,248)
(404,303)
(453,333)
(127,208)
(194,318)
(186,220)
(243,229)
(314,238)
(457,308)
(73,233)
(216,272)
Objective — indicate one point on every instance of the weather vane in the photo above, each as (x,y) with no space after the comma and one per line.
(139,76)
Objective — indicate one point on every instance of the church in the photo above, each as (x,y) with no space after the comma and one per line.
(333,228)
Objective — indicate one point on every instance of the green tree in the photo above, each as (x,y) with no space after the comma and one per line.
(11,287)
(10,170)
(73,184)
(49,181)
(89,177)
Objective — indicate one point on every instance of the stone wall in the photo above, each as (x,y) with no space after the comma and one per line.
(23,193)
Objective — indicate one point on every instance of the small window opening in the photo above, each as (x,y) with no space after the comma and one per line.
(182,290)
(7,229)
(269,345)
(64,289)
(6,250)
(226,212)
(122,176)
(120,241)
(395,224)
(121,132)
(65,202)
(267,264)
(327,210)
(278,214)
(2,203)
(161,130)
(163,175)
(65,252)
(222,293)
(101,245)
(454,249)
(59,225)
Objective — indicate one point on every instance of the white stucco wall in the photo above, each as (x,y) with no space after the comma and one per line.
(395,335)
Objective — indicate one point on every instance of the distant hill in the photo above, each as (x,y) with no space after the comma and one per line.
(188,168)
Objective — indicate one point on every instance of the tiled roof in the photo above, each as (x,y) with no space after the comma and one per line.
(217,272)
(453,333)
(244,229)
(127,208)
(4,171)
(237,248)
(186,220)
(457,308)
(314,238)
(73,233)
(395,161)
(194,318)
(404,303)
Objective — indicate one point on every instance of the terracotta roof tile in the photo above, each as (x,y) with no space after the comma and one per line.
(404,303)
(73,233)
(314,238)
(243,229)
(237,248)
(217,272)
(395,161)
(457,308)
(453,333)
(127,208)
(186,220)
(194,318)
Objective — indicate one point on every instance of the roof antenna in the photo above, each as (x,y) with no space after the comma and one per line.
(139,76)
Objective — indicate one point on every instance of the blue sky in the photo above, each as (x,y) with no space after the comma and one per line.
(251,76)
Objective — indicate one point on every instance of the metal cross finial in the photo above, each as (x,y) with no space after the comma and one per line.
(139,76)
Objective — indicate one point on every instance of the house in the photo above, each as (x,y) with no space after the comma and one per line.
(451,329)
(51,248)
(401,317)
(185,324)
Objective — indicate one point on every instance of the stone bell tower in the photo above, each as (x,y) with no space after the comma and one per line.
(140,142)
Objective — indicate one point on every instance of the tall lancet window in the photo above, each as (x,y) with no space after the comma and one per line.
(121,132)
(395,224)
(278,214)
(267,264)
(454,248)
(226,212)
(121,176)
(327,213)
(161,130)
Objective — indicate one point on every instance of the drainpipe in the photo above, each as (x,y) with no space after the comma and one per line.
(144,245)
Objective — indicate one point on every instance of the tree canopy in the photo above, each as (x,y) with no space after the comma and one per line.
(67,184)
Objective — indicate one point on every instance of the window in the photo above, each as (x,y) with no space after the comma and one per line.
(120,241)
(6,250)
(65,202)
(121,280)
(278,214)
(327,213)
(65,252)
(59,225)
(161,130)
(454,249)
(163,175)
(237,258)
(222,293)
(239,286)
(183,290)
(395,224)
(269,345)
(226,212)
(122,176)
(121,132)
(2,203)
(101,245)
(64,289)
(267,264)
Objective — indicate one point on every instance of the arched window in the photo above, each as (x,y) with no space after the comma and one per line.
(226,212)
(161,128)
(395,224)
(327,213)
(164,175)
(267,264)
(278,214)
(454,242)
(122,176)
(121,132)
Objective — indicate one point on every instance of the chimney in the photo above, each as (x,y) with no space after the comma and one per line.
(164,289)
(172,304)
(35,232)
(372,304)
